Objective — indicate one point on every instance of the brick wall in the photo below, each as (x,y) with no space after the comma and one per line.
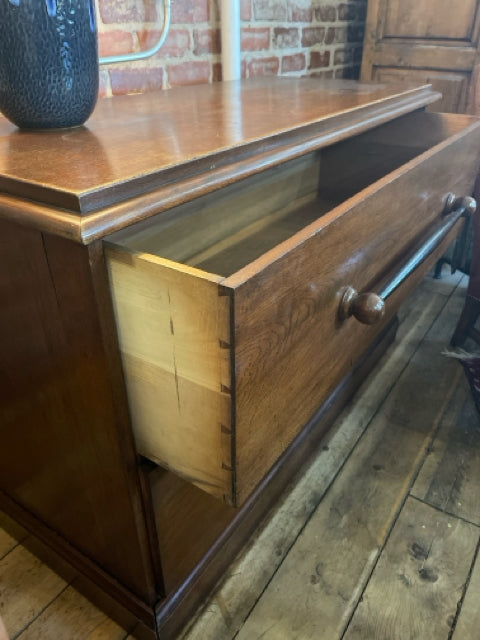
(288,37)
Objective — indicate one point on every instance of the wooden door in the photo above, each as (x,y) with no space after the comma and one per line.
(432,41)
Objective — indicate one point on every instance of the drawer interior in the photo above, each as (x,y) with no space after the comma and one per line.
(225,231)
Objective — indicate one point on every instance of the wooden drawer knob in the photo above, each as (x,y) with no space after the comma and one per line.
(367,308)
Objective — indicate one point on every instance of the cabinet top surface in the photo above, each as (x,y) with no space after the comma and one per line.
(137,144)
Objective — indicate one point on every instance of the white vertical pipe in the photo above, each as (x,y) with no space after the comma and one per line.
(231,65)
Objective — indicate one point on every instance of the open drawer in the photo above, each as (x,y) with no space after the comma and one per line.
(233,310)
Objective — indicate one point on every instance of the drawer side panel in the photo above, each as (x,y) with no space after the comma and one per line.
(174,338)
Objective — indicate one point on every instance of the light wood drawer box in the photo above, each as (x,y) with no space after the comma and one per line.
(228,307)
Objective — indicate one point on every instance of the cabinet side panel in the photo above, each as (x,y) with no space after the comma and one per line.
(174,337)
(63,457)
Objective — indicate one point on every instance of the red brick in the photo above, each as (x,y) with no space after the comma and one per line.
(326,13)
(190,11)
(296,62)
(246,10)
(330,35)
(313,35)
(286,38)
(270,9)
(319,59)
(136,80)
(206,41)
(128,10)
(263,67)
(255,39)
(176,44)
(112,43)
(301,10)
(197,72)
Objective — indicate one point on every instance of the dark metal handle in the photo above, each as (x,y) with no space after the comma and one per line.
(369,308)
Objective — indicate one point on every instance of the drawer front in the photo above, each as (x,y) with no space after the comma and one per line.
(223,373)
(291,350)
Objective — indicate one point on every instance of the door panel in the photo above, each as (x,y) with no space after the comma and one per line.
(427,19)
(425,40)
(452,86)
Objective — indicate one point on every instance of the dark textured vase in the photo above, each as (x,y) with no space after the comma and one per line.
(48,62)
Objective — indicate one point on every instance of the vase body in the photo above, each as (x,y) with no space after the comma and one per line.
(48,62)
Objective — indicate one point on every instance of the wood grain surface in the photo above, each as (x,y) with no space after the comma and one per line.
(426,41)
(61,414)
(450,477)
(31,587)
(79,621)
(189,231)
(174,334)
(469,619)
(287,332)
(90,186)
(316,589)
(415,19)
(157,130)
(423,569)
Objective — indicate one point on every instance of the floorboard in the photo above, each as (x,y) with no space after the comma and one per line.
(27,587)
(72,617)
(419,579)
(450,477)
(468,623)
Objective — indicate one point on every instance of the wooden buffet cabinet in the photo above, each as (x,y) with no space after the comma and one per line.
(192,285)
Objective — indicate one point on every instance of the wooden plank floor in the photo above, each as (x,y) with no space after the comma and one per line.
(377,539)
